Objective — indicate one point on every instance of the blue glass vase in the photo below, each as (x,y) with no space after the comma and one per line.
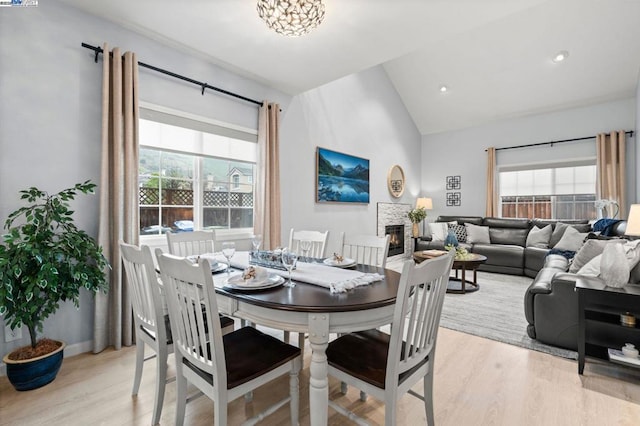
(450,239)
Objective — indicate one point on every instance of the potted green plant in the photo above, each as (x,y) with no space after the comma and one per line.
(44,260)
(416,216)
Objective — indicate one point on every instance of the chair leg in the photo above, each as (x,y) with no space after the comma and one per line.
(363,396)
(390,411)
(139,364)
(286,337)
(294,392)
(220,411)
(161,382)
(181,393)
(428,398)
(301,337)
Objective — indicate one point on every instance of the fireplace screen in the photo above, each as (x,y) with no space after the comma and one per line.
(396,239)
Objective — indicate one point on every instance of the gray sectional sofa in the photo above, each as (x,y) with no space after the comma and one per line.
(551,303)
(507,252)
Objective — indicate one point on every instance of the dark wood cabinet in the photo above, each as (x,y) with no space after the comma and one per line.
(599,323)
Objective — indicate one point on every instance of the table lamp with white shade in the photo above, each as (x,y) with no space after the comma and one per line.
(633,221)
(425,203)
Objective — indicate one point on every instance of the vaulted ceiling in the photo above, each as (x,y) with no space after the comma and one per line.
(493,55)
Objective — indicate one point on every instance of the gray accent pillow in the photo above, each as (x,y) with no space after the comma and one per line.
(571,240)
(590,249)
(539,237)
(558,232)
(477,234)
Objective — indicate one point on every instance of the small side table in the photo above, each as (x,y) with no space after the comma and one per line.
(460,285)
(599,310)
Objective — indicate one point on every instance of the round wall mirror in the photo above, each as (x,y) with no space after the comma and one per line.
(395,181)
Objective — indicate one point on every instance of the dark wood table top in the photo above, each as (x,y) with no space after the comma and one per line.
(312,298)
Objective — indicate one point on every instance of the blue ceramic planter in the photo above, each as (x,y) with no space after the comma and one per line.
(34,373)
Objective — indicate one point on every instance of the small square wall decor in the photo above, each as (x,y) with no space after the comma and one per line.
(454,199)
(453,182)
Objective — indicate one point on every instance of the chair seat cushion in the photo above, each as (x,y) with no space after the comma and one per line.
(248,354)
(224,322)
(364,355)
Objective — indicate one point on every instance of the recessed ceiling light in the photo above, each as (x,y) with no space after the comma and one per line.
(443,88)
(560,56)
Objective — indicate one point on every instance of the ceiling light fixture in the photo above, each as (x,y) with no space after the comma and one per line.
(443,88)
(291,17)
(560,56)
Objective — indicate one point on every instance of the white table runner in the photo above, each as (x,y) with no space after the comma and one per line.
(337,280)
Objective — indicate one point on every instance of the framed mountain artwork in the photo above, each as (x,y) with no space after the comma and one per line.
(341,178)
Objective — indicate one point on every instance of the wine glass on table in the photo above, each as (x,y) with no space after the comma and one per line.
(228,250)
(289,259)
(256,242)
(305,246)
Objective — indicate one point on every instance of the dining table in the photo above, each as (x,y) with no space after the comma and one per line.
(315,310)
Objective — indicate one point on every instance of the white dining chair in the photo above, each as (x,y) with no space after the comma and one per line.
(318,247)
(222,367)
(151,323)
(318,242)
(366,249)
(388,366)
(191,243)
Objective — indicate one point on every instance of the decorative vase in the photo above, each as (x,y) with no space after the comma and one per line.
(415,230)
(34,373)
(451,239)
(614,268)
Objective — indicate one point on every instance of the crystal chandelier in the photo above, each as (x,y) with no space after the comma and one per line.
(291,17)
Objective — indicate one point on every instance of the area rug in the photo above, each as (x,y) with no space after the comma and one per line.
(495,311)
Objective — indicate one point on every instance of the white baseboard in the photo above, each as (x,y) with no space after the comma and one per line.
(69,350)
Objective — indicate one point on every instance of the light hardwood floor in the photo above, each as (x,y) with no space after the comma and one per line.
(477,382)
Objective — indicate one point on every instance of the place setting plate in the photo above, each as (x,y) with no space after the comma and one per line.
(237,283)
(216,266)
(346,262)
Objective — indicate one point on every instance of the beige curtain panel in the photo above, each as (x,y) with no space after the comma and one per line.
(492,196)
(266,210)
(118,219)
(611,170)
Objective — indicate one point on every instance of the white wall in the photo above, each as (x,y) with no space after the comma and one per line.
(50,107)
(361,115)
(463,153)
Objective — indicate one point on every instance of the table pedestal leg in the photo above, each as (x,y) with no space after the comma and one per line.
(319,369)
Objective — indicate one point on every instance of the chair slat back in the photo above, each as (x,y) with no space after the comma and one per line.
(144,289)
(417,314)
(191,243)
(318,241)
(193,311)
(366,249)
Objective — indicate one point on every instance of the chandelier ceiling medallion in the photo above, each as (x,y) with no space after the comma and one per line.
(291,17)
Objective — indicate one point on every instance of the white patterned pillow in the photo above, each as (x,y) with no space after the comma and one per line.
(460,231)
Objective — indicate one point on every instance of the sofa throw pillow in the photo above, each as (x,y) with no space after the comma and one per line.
(571,240)
(632,253)
(438,231)
(590,249)
(558,232)
(477,234)
(539,237)
(460,231)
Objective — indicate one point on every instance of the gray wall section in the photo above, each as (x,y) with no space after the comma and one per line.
(463,153)
(50,114)
(360,115)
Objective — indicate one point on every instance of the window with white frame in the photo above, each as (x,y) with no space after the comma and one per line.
(193,174)
(562,192)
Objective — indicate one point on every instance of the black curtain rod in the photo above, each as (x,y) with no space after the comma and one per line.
(630,133)
(98,50)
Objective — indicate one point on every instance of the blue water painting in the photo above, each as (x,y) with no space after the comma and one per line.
(342,178)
